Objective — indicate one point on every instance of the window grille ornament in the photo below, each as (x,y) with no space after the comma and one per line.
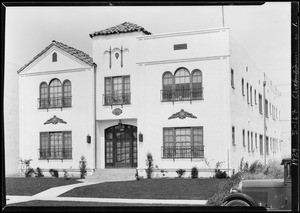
(55,120)
(121,55)
(182,115)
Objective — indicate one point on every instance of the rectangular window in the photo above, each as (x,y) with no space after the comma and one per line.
(252,147)
(232,78)
(233,135)
(244,142)
(255,140)
(266,108)
(180,46)
(255,96)
(267,145)
(56,145)
(260,103)
(117,90)
(184,142)
(251,95)
(248,136)
(247,93)
(243,89)
(261,148)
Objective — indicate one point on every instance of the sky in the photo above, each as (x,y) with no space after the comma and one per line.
(264,31)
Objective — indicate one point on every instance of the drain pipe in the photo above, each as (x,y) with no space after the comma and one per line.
(95,121)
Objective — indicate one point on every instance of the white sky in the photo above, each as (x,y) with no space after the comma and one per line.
(264,31)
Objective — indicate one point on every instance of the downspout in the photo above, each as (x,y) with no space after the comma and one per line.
(264,113)
(95,109)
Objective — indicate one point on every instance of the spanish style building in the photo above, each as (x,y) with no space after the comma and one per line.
(189,98)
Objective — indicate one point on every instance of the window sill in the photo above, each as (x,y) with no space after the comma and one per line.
(171,158)
(114,104)
(58,107)
(55,159)
(175,100)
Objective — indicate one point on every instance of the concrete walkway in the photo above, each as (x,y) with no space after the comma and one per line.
(53,193)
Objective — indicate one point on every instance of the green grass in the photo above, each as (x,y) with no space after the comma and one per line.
(31,186)
(191,189)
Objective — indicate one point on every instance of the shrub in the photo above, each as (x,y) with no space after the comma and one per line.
(149,163)
(256,166)
(137,175)
(194,172)
(66,175)
(180,172)
(29,172)
(218,173)
(54,173)
(39,172)
(82,167)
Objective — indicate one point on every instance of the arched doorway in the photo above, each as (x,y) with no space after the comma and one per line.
(121,146)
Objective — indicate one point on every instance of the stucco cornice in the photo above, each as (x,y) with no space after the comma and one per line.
(182,60)
(50,72)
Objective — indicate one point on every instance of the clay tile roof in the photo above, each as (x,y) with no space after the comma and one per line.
(77,53)
(126,27)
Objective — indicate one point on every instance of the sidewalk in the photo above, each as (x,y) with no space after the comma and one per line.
(53,193)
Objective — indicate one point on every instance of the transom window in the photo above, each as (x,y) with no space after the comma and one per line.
(185,142)
(117,90)
(182,85)
(56,95)
(55,145)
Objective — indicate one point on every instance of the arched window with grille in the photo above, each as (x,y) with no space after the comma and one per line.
(167,92)
(54,57)
(67,93)
(43,101)
(197,92)
(182,84)
(55,93)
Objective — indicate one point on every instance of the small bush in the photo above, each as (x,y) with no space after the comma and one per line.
(66,175)
(82,167)
(194,172)
(180,172)
(39,172)
(54,173)
(218,173)
(137,175)
(149,163)
(30,172)
(256,166)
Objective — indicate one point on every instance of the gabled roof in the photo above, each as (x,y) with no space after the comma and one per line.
(126,27)
(77,53)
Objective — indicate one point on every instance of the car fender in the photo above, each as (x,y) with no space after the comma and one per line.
(240,196)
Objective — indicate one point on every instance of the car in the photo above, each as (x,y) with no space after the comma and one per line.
(273,194)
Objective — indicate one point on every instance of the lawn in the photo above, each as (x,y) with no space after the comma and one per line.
(178,188)
(31,186)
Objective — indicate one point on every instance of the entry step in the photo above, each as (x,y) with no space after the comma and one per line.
(114,174)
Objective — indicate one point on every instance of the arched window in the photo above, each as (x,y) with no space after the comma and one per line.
(55,95)
(54,57)
(67,93)
(197,84)
(43,102)
(167,86)
(182,84)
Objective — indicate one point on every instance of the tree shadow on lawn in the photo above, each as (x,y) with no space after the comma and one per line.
(177,188)
(30,186)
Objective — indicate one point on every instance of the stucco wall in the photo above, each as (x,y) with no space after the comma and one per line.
(79,117)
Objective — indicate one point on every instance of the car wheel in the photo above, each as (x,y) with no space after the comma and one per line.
(237,203)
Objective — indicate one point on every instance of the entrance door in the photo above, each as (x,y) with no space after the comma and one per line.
(121,146)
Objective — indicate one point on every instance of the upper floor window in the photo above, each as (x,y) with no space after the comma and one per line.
(55,145)
(247,93)
(255,96)
(243,89)
(117,90)
(182,85)
(186,142)
(233,135)
(260,103)
(55,95)
(232,78)
(54,57)
(244,142)
(266,108)
(248,137)
(251,95)
(261,148)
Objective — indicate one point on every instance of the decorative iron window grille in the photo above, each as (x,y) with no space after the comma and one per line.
(183,152)
(182,95)
(56,102)
(117,98)
(56,153)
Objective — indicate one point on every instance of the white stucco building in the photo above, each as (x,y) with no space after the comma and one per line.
(189,98)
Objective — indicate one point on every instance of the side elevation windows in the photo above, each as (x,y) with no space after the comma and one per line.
(260,103)
(244,140)
(55,95)
(232,78)
(182,85)
(233,135)
(243,87)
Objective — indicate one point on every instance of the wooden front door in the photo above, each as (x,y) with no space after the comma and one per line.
(121,146)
